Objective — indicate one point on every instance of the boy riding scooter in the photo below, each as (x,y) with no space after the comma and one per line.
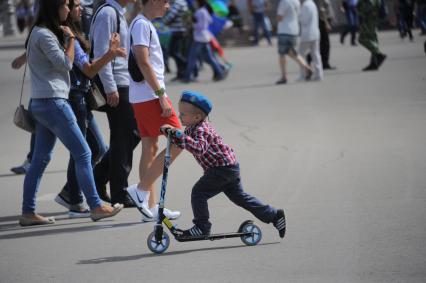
(221,169)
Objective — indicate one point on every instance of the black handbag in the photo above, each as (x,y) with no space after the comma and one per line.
(22,117)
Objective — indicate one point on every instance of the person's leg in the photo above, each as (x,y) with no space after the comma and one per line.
(265,29)
(256,26)
(211,60)
(151,165)
(324,44)
(283,67)
(78,106)
(233,189)
(66,129)
(95,139)
(316,60)
(303,47)
(192,59)
(43,145)
(299,59)
(123,140)
(353,25)
(346,28)
(30,153)
(175,51)
(205,188)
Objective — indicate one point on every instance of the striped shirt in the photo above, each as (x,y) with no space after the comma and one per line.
(175,16)
(207,146)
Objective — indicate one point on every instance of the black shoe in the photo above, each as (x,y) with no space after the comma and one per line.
(380,58)
(194,232)
(328,67)
(21,169)
(371,67)
(308,75)
(127,202)
(280,222)
(281,81)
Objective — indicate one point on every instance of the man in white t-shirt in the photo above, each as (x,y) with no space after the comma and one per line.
(309,38)
(288,31)
(151,106)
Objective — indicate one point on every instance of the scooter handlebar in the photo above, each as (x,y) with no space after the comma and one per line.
(174,132)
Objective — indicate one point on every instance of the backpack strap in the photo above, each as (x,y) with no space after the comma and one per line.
(93,20)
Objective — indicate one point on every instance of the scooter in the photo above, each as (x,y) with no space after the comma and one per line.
(158,241)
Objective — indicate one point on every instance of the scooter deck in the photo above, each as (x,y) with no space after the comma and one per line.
(212,237)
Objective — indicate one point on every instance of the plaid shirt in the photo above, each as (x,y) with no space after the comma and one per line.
(207,146)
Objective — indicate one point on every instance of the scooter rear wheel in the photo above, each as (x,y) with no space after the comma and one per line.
(255,233)
(158,247)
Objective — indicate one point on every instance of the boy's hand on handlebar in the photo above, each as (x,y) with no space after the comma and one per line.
(176,132)
(166,127)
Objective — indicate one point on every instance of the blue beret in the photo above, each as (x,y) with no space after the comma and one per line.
(198,100)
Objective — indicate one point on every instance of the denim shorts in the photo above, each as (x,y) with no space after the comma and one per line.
(286,43)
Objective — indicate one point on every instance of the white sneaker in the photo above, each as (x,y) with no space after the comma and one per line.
(140,199)
(172,215)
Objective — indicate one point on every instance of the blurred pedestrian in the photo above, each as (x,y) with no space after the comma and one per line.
(50,85)
(288,31)
(349,8)
(113,79)
(257,8)
(309,40)
(175,19)
(369,18)
(326,17)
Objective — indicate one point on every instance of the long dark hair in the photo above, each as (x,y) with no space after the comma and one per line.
(48,17)
(76,28)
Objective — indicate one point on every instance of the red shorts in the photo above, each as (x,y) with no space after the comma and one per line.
(149,120)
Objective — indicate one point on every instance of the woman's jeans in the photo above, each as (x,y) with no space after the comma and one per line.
(88,126)
(55,118)
(204,49)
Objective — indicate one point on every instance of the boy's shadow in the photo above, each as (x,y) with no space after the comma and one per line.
(142,256)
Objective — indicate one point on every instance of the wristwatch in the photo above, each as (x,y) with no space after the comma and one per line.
(160,92)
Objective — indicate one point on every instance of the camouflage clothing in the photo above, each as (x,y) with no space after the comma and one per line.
(368,11)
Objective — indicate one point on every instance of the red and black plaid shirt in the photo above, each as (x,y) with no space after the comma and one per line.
(206,146)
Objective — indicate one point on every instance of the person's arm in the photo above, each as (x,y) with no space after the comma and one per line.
(196,145)
(54,53)
(140,51)
(91,69)
(103,28)
(69,50)
(280,11)
(19,61)
(171,14)
(141,54)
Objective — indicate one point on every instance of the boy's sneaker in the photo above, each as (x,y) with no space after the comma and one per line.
(194,232)
(280,223)
(171,215)
(140,199)
(21,169)
(78,211)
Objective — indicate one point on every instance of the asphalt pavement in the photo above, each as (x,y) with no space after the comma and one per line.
(344,157)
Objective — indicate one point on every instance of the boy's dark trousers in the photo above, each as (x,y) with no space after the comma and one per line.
(225,179)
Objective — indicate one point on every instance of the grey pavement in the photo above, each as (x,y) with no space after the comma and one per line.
(345,158)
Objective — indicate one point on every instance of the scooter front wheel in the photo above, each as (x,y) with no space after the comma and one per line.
(158,247)
(254,234)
